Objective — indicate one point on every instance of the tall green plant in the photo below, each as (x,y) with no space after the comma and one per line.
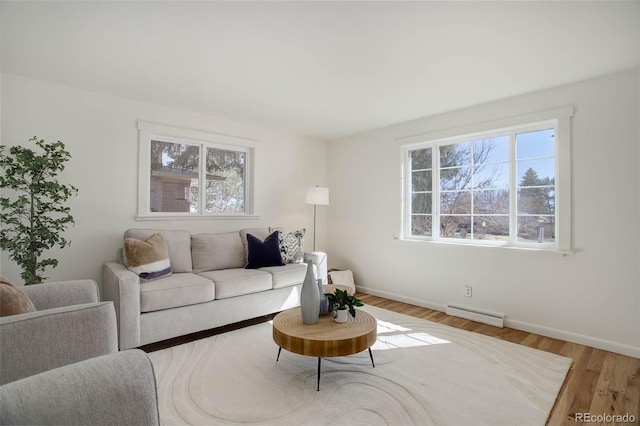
(34,217)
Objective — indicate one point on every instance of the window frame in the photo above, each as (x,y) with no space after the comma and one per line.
(148,132)
(559,119)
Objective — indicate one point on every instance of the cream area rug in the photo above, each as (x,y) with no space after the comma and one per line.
(425,374)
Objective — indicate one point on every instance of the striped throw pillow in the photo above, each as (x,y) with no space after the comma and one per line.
(148,259)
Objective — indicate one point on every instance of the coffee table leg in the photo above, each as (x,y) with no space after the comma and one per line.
(371,355)
(319,360)
(279,350)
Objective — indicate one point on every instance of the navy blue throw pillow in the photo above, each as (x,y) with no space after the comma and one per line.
(263,253)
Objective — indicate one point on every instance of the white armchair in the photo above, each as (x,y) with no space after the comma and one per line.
(70,325)
(61,365)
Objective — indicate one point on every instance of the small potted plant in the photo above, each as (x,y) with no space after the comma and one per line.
(341,302)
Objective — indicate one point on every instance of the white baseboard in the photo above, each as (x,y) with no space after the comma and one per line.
(607,345)
(485,317)
(400,298)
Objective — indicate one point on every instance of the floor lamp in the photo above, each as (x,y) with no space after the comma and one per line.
(316,195)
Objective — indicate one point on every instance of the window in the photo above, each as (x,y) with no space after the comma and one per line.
(497,187)
(193,174)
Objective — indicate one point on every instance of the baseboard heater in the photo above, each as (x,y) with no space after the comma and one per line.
(490,318)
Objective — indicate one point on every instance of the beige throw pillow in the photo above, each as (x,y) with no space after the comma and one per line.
(148,259)
(12,300)
(343,279)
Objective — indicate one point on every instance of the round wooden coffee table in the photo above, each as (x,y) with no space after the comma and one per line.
(326,338)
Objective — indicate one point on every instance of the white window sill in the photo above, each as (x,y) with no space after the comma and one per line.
(191,216)
(544,250)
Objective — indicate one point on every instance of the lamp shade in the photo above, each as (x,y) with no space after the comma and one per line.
(318,195)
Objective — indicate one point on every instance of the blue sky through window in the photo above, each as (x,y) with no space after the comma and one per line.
(536,150)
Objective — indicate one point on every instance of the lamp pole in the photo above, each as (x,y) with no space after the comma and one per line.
(314,227)
(316,195)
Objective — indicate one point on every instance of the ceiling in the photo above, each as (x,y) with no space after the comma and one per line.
(324,69)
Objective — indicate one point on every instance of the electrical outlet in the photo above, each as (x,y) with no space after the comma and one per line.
(467,291)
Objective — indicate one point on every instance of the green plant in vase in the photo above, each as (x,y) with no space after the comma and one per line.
(35,215)
(341,300)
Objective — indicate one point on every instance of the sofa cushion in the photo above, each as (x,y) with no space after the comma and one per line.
(211,252)
(292,246)
(178,243)
(263,253)
(287,275)
(149,259)
(177,290)
(236,282)
(12,300)
(260,233)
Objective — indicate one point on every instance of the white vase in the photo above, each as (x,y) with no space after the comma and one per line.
(341,315)
(310,297)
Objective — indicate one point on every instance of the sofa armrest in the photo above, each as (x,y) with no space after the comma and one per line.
(62,293)
(116,389)
(39,341)
(319,259)
(122,286)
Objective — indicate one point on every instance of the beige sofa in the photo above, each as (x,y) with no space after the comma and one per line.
(209,286)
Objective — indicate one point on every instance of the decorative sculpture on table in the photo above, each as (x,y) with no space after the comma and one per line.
(310,297)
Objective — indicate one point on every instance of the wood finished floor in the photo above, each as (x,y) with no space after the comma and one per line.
(599,382)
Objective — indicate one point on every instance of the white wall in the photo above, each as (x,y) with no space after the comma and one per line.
(589,297)
(100,132)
